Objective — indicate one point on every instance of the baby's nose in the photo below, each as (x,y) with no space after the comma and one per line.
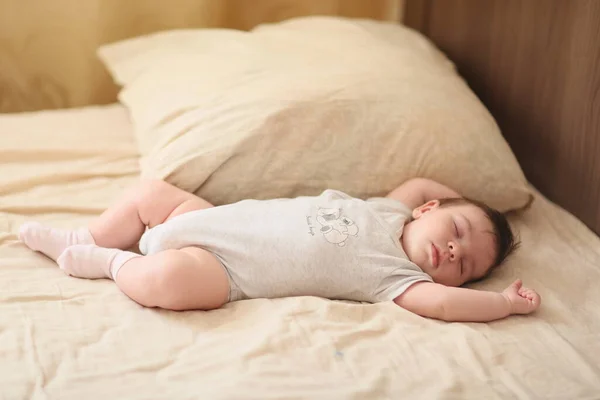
(453,251)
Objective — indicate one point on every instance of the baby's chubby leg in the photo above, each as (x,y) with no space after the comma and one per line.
(186,279)
(150,203)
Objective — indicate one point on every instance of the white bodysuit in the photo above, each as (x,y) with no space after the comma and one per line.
(332,245)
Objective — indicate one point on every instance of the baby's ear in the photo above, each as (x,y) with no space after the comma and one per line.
(424,208)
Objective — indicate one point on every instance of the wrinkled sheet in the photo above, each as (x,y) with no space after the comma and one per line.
(67,338)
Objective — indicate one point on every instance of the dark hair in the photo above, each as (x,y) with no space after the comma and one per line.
(504,238)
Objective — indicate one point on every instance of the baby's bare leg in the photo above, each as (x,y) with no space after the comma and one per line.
(148,204)
(186,279)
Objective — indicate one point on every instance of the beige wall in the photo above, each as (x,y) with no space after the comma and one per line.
(47,47)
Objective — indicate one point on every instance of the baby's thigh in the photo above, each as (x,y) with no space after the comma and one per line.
(191,279)
(158,201)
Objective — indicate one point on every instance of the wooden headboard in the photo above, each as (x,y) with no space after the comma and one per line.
(536,66)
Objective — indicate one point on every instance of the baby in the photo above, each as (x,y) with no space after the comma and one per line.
(415,247)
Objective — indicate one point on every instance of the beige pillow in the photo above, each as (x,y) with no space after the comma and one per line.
(293,108)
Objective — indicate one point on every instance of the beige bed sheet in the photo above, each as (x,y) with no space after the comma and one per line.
(65,338)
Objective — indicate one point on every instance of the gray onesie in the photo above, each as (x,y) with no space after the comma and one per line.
(332,245)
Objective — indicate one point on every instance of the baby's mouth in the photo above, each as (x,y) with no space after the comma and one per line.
(435,256)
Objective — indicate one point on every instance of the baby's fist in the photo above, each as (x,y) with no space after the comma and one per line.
(522,300)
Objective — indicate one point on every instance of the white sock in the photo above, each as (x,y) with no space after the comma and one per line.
(93,262)
(52,242)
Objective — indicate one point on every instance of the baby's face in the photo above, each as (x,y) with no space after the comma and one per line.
(452,244)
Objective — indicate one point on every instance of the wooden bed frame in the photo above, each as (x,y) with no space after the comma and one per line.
(536,66)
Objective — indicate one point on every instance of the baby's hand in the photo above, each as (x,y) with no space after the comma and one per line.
(522,300)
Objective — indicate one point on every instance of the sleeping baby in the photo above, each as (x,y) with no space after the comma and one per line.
(415,247)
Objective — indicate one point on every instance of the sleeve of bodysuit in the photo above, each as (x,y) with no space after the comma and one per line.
(336,194)
(388,205)
(400,279)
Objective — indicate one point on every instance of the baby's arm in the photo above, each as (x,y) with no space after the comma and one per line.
(417,191)
(467,305)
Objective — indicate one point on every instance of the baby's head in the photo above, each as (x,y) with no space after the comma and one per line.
(457,240)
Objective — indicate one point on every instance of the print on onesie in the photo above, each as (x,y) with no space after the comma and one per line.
(335,227)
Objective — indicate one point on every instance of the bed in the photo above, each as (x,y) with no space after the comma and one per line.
(65,338)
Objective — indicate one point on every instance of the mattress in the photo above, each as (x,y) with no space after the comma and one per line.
(68,338)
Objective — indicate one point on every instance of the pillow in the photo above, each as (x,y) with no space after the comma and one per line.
(311,103)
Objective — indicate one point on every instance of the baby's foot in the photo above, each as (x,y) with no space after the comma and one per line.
(92,262)
(52,242)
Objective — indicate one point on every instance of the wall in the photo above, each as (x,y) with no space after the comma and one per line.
(47,47)
(536,66)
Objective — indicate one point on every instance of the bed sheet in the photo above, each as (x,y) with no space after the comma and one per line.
(67,338)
